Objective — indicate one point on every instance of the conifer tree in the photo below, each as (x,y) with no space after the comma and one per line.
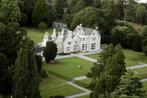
(107,71)
(130,86)
(26,75)
(11,39)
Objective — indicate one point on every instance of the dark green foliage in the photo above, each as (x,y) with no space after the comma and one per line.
(67,18)
(88,17)
(107,71)
(42,25)
(144,40)
(50,51)
(26,75)
(74,6)
(9,11)
(12,38)
(59,7)
(141,14)
(130,86)
(39,63)
(26,7)
(96,3)
(5,85)
(42,13)
(127,37)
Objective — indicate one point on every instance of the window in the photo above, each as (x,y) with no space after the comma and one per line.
(82,46)
(85,46)
(69,43)
(68,49)
(93,46)
(76,42)
(94,39)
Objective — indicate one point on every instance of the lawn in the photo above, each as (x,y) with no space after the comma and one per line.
(145,86)
(55,86)
(36,35)
(84,83)
(69,68)
(132,57)
(95,56)
(142,72)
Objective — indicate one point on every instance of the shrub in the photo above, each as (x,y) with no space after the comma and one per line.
(50,51)
(42,25)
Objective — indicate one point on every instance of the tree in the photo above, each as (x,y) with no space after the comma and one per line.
(126,36)
(144,40)
(129,10)
(5,85)
(74,6)
(9,11)
(26,7)
(42,12)
(130,86)
(39,63)
(59,6)
(96,3)
(50,51)
(26,75)
(12,38)
(88,17)
(141,14)
(107,77)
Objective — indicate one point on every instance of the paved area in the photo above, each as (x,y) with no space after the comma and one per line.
(137,66)
(80,78)
(86,91)
(87,58)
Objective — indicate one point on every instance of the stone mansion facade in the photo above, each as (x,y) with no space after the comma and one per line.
(82,39)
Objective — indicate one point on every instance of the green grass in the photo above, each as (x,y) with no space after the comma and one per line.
(84,83)
(55,86)
(145,86)
(36,35)
(141,72)
(68,68)
(133,58)
(95,56)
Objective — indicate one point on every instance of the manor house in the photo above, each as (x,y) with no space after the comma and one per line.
(82,39)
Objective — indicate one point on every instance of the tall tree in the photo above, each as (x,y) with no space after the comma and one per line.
(50,51)
(59,7)
(11,39)
(96,3)
(42,13)
(74,6)
(108,71)
(141,14)
(130,86)
(26,75)
(144,40)
(26,7)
